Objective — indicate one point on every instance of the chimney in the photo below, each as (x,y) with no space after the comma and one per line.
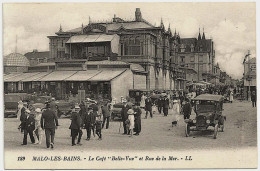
(138,15)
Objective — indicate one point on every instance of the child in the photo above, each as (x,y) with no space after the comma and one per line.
(99,126)
(131,118)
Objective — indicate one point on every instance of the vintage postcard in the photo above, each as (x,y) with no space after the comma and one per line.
(151,85)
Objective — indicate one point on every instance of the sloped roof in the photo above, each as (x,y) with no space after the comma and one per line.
(116,25)
(35,55)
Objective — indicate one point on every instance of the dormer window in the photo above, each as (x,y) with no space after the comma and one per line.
(192,48)
(182,48)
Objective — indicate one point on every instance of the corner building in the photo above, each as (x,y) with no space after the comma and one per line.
(137,41)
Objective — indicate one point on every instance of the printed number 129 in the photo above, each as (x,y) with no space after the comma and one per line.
(21,158)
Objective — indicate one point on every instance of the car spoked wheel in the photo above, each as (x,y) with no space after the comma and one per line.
(187,130)
(215,131)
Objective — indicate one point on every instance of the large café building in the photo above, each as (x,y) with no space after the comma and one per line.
(110,58)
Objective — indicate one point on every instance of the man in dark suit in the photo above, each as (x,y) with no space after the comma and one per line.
(165,105)
(76,125)
(49,122)
(160,104)
(137,114)
(89,122)
(124,115)
(106,115)
(29,126)
(186,109)
(148,107)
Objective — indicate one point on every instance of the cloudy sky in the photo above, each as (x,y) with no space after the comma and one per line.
(231,25)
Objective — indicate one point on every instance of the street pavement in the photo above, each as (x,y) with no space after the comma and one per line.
(157,134)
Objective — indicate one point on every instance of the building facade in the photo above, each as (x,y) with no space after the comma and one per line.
(198,54)
(135,41)
(249,77)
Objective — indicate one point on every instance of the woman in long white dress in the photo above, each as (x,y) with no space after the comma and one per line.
(131,118)
(231,97)
(38,132)
(142,103)
(176,112)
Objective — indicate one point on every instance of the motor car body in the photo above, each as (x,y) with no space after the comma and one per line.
(11,104)
(208,109)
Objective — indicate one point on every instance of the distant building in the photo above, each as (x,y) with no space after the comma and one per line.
(36,57)
(15,62)
(249,77)
(199,55)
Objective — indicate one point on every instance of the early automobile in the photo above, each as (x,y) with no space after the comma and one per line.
(116,111)
(11,104)
(208,109)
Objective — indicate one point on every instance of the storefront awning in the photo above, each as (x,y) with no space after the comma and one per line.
(11,75)
(36,77)
(114,39)
(20,77)
(83,75)
(57,76)
(107,75)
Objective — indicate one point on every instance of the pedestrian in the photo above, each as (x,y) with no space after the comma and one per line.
(99,125)
(176,112)
(142,103)
(131,119)
(29,126)
(231,96)
(38,130)
(49,122)
(160,104)
(253,98)
(165,105)
(53,105)
(76,125)
(124,115)
(137,115)
(21,115)
(106,115)
(148,107)
(89,122)
(186,109)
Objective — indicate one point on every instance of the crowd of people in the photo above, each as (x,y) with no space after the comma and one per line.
(96,116)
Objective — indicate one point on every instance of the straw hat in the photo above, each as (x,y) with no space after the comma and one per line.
(175,101)
(27,111)
(38,110)
(20,102)
(130,112)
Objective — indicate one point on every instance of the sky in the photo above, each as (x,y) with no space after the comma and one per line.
(231,25)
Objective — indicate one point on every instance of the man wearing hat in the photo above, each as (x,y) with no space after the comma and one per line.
(89,122)
(49,123)
(124,114)
(186,109)
(29,126)
(76,125)
(21,115)
(148,107)
(165,105)
(137,115)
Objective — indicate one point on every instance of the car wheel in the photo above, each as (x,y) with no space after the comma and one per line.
(187,130)
(215,131)
(112,116)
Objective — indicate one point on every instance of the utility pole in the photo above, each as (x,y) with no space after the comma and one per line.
(249,79)
(70,46)
(15,44)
